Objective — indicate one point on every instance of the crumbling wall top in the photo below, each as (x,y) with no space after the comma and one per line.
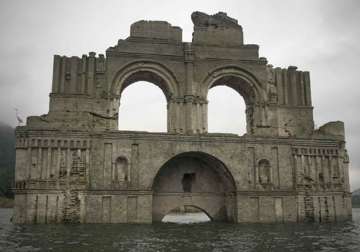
(161,30)
(220,19)
(216,30)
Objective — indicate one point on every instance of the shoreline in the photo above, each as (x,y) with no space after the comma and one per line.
(6,202)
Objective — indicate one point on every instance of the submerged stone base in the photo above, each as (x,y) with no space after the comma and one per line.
(112,207)
(123,177)
(73,165)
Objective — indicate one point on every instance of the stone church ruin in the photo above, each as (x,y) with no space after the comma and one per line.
(74,165)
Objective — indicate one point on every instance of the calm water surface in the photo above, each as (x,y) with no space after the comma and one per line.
(180,237)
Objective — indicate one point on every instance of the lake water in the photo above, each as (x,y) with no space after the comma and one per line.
(180,237)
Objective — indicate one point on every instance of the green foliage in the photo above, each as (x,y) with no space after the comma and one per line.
(7,158)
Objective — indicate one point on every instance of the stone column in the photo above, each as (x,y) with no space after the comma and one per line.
(40,163)
(275,169)
(73,75)
(171,116)
(58,160)
(62,75)
(180,115)
(49,161)
(205,117)
(56,74)
(193,115)
(293,85)
(91,73)
(29,163)
(301,85)
(319,165)
(189,113)
(134,169)
(87,163)
(189,67)
(83,88)
(68,161)
(176,115)
(285,84)
(279,86)
(306,77)
(198,118)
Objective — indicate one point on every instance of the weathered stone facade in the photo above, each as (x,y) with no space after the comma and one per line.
(74,165)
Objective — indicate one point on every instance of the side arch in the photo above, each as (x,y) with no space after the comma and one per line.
(143,70)
(244,82)
(248,86)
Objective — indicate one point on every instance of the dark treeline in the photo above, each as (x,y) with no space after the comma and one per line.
(356,198)
(7,159)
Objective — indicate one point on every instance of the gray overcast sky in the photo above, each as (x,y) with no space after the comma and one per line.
(319,36)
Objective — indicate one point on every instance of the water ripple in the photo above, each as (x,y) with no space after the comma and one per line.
(180,237)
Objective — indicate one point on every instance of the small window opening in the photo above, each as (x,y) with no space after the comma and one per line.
(187,181)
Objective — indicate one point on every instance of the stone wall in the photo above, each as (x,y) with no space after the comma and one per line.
(73,165)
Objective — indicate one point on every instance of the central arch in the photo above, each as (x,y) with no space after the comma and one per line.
(195,179)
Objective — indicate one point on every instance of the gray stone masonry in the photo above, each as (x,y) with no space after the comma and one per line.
(74,165)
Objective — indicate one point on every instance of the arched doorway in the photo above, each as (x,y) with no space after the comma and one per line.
(246,85)
(143,107)
(145,72)
(228,116)
(195,179)
(245,89)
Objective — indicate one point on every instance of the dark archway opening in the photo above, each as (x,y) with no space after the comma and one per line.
(194,179)
(187,181)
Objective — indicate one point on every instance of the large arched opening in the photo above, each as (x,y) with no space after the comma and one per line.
(243,83)
(143,107)
(195,179)
(226,111)
(145,101)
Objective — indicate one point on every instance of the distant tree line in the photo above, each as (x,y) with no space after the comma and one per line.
(7,160)
(356,198)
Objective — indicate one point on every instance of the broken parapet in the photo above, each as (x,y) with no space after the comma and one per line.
(293,87)
(216,30)
(335,130)
(74,75)
(160,30)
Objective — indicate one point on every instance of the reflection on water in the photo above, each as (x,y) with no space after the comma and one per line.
(174,237)
(186,218)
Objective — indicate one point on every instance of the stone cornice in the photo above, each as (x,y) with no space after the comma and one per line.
(200,138)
